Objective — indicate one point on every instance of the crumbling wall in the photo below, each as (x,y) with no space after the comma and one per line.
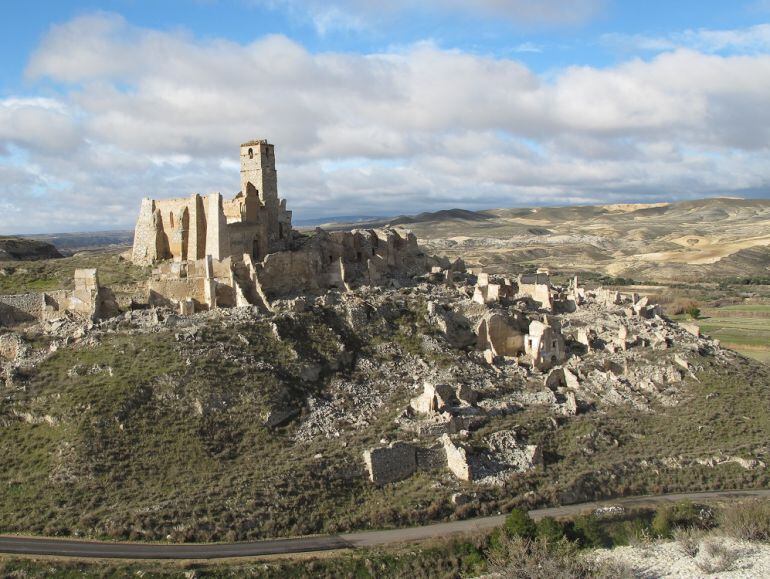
(498,333)
(217,233)
(561,378)
(391,463)
(339,259)
(457,459)
(147,247)
(19,308)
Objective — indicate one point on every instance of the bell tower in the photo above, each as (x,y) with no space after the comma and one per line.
(258,171)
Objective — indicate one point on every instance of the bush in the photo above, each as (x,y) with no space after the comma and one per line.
(679,515)
(688,540)
(519,524)
(749,520)
(718,557)
(589,533)
(637,532)
(550,530)
(693,311)
(520,558)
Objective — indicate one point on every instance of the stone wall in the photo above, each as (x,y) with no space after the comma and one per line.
(432,458)
(391,463)
(87,300)
(457,459)
(501,335)
(19,308)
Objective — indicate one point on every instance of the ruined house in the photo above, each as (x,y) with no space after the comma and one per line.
(501,334)
(538,287)
(544,345)
(88,300)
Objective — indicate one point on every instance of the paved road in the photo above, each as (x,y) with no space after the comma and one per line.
(106,550)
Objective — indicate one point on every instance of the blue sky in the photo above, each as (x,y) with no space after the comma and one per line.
(373,110)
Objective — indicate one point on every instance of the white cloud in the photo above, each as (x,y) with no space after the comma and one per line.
(159,113)
(37,123)
(528,47)
(751,40)
(359,15)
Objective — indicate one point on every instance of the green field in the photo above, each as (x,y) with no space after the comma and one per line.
(744,328)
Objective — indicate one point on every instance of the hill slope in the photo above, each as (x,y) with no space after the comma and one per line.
(231,424)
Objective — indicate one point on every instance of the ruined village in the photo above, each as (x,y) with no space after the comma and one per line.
(503,344)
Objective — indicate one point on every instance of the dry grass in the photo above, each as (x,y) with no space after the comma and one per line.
(749,520)
(689,540)
(717,557)
(521,558)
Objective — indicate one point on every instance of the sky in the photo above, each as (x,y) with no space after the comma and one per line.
(379,108)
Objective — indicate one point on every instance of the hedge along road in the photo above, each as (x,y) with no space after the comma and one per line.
(112,550)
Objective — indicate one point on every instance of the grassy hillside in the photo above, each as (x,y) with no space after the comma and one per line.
(52,274)
(159,434)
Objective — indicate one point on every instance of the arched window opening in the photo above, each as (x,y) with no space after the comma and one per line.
(251,153)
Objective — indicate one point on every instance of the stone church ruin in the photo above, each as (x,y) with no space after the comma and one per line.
(212,252)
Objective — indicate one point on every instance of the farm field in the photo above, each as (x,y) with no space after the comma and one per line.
(744,328)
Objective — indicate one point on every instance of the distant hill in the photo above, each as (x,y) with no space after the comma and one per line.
(688,240)
(70,243)
(18,249)
(443,215)
(316,221)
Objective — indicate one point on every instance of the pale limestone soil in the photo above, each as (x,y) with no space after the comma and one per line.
(667,559)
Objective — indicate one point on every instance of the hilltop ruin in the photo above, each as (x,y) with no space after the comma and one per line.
(212,252)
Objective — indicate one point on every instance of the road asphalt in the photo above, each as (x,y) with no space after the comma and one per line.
(114,550)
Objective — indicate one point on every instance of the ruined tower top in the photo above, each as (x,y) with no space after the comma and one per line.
(258,170)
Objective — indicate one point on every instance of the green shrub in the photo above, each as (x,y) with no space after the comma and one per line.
(680,515)
(519,524)
(693,311)
(472,559)
(635,532)
(550,530)
(588,532)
